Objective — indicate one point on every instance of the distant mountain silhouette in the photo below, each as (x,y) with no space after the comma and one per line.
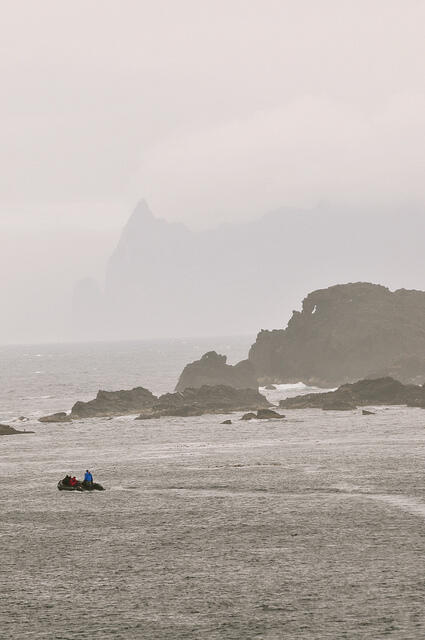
(166,280)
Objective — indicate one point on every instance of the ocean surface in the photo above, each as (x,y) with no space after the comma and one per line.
(307,527)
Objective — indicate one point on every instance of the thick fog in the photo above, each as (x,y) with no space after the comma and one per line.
(214,112)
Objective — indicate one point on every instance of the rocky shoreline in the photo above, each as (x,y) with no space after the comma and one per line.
(205,399)
(221,399)
(379,391)
(190,402)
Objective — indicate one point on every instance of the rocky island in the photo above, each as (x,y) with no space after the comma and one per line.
(345,333)
(381,391)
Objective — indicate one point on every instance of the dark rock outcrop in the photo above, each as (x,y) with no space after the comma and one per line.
(346,333)
(212,369)
(114,403)
(205,399)
(382,391)
(262,414)
(56,417)
(268,414)
(226,422)
(190,402)
(365,412)
(6,430)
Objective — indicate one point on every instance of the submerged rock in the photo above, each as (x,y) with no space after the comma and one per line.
(6,430)
(114,403)
(382,391)
(249,416)
(270,387)
(212,369)
(205,399)
(365,412)
(61,416)
(226,422)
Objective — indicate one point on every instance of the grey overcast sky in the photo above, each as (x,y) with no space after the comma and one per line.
(213,110)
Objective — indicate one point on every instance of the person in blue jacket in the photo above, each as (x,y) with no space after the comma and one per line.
(88,478)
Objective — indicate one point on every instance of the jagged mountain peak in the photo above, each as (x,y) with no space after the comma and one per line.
(140,216)
(142,210)
(142,219)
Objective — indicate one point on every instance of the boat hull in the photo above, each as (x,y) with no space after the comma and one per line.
(80,487)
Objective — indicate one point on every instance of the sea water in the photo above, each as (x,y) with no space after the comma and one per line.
(308,527)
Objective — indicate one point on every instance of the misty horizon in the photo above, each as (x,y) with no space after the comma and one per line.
(368,226)
(215,113)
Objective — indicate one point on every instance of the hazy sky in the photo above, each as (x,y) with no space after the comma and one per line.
(212,110)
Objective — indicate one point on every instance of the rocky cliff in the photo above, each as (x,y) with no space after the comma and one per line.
(212,369)
(345,333)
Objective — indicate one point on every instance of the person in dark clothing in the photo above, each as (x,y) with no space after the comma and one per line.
(67,481)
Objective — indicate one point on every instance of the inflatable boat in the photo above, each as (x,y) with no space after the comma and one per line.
(80,486)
